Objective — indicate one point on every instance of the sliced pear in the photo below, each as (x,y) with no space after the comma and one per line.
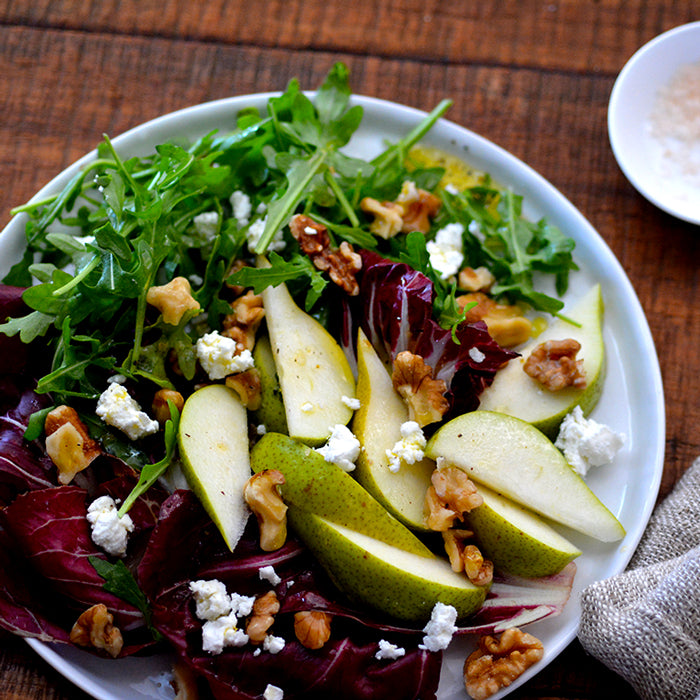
(516,540)
(517,394)
(213,440)
(518,461)
(322,488)
(402,584)
(271,412)
(377,425)
(314,374)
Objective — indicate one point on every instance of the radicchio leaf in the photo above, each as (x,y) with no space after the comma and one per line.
(13,353)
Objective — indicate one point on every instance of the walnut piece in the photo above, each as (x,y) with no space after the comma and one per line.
(312,628)
(413,380)
(388,217)
(244,320)
(263,497)
(94,628)
(161,410)
(68,443)
(342,264)
(451,494)
(506,324)
(499,661)
(173,300)
(475,279)
(247,386)
(454,541)
(419,207)
(264,610)
(467,557)
(554,365)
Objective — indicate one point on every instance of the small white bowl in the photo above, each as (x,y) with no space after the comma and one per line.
(643,156)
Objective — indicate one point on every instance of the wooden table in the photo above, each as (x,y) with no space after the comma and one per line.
(532,76)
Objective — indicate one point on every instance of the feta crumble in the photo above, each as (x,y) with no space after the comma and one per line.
(218,356)
(261,429)
(389,651)
(307,407)
(587,443)
(476,354)
(242,605)
(440,628)
(207,224)
(342,448)
(108,530)
(409,449)
(222,632)
(211,599)
(118,409)
(242,208)
(272,644)
(272,692)
(451,189)
(268,573)
(445,252)
(352,403)
(255,232)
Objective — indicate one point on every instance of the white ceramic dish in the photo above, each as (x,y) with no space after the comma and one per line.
(641,154)
(632,400)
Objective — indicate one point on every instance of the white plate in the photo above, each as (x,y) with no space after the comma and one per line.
(640,154)
(632,400)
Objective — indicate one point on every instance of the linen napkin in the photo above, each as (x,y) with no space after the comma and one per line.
(644,623)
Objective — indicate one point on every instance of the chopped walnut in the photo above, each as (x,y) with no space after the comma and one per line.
(247,386)
(499,661)
(312,628)
(263,497)
(342,264)
(478,570)
(161,410)
(264,610)
(242,324)
(451,494)
(413,380)
(454,540)
(94,628)
(554,365)
(506,324)
(419,207)
(475,279)
(68,443)
(173,300)
(388,217)
(237,265)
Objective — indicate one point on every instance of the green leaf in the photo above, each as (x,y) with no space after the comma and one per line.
(35,425)
(29,327)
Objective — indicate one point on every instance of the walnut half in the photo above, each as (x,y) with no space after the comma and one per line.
(413,379)
(451,494)
(263,497)
(499,661)
(312,628)
(94,628)
(554,365)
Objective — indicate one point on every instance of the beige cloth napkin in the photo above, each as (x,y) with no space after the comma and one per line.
(644,624)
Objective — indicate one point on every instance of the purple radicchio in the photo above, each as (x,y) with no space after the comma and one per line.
(396,312)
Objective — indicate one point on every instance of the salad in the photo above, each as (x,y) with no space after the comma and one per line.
(83,326)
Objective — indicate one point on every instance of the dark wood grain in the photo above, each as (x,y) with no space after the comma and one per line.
(534,77)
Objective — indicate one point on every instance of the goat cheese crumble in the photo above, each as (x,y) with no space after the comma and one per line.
(272,644)
(272,692)
(445,252)
(242,208)
(207,224)
(268,573)
(255,232)
(211,599)
(352,403)
(587,443)
(440,628)
(108,530)
(342,448)
(409,449)
(389,651)
(117,408)
(222,632)
(219,356)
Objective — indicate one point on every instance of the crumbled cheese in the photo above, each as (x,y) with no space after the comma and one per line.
(255,232)
(342,448)
(242,208)
(409,449)
(352,403)
(451,189)
(440,628)
(207,224)
(117,379)
(242,605)
(475,228)
(211,598)
(446,253)
(118,409)
(307,407)
(310,230)
(222,632)
(109,531)
(389,651)
(268,573)
(196,280)
(261,429)
(272,644)
(272,692)
(219,356)
(476,354)
(587,443)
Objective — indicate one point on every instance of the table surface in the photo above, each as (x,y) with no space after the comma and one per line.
(533,77)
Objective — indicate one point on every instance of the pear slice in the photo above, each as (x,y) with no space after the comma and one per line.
(314,374)
(516,540)
(320,487)
(518,461)
(377,425)
(213,440)
(399,583)
(517,394)
(271,412)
